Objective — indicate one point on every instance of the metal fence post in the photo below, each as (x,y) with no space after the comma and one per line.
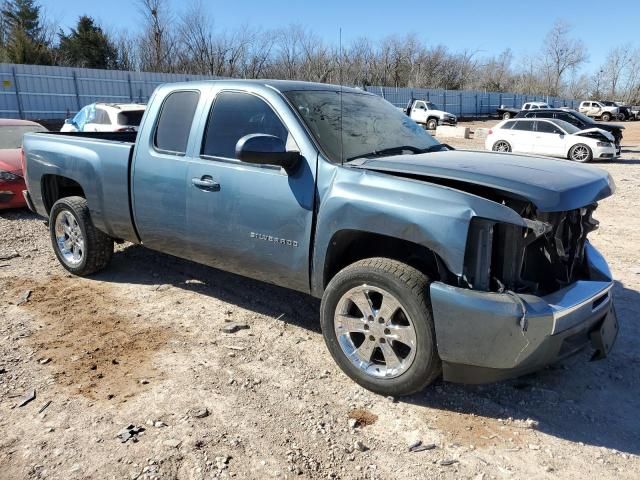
(75,84)
(18,99)
(476,111)
(130,87)
(460,103)
(444,99)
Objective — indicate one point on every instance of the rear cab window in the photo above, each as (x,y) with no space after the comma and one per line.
(174,122)
(508,125)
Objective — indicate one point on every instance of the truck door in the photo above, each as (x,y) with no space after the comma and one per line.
(419,112)
(254,220)
(160,187)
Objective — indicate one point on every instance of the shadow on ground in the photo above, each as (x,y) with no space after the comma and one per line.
(577,400)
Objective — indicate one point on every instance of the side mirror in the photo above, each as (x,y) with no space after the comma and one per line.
(68,121)
(261,149)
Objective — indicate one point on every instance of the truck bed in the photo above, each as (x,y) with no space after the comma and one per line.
(99,161)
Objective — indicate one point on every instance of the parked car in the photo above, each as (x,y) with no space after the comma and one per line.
(427,114)
(507,112)
(106,117)
(624,112)
(404,240)
(599,110)
(553,138)
(11,175)
(579,120)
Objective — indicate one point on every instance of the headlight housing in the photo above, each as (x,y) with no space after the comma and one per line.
(8,176)
(604,144)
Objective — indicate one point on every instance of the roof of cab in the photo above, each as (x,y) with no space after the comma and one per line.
(280,85)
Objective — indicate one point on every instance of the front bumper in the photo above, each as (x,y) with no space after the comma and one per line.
(482,336)
(10,195)
(605,153)
(448,121)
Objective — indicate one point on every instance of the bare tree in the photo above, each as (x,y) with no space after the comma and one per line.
(561,53)
(157,42)
(617,60)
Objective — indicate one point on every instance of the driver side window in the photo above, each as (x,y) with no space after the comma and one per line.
(234,115)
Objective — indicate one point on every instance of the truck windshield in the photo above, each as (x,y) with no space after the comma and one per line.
(369,124)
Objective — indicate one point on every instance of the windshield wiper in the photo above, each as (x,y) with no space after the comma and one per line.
(398,150)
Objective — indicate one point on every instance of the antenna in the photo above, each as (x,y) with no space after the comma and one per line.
(340,77)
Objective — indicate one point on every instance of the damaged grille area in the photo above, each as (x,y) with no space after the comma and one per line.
(543,257)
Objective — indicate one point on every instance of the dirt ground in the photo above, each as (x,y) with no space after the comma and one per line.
(142,345)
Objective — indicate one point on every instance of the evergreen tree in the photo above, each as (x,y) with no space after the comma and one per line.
(24,33)
(87,46)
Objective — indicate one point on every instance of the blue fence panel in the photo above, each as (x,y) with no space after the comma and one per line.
(44,92)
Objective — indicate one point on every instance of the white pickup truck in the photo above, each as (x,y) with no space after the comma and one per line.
(599,110)
(507,112)
(427,114)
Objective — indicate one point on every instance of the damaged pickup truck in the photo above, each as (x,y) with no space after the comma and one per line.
(428,260)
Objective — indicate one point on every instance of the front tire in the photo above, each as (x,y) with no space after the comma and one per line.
(506,115)
(432,124)
(377,324)
(606,117)
(580,153)
(80,247)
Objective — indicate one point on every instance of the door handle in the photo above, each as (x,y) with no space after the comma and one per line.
(206,183)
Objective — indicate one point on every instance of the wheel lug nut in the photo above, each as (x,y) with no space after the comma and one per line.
(366,327)
(382,340)
(370,318)
(387,331)
(372,338)
(381,320)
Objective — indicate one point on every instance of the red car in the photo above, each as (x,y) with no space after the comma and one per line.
(11,174)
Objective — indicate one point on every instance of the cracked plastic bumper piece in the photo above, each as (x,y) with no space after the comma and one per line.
(480,335)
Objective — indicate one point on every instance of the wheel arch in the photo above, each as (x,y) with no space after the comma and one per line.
(55,187)
(349,246)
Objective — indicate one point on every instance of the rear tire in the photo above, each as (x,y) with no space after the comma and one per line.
(369,300)
(80,247)
(580,153)
(432,124)
(501,146)
(606,117)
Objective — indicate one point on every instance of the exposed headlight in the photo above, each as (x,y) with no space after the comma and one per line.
(8,176)
(604,144)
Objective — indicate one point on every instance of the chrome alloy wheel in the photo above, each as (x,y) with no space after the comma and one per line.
(375,332)
(501,146)
(580,153)
(69,238)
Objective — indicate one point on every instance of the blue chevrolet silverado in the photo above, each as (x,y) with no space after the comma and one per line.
(428,260)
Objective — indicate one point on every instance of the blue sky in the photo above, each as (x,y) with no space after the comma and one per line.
(487,27)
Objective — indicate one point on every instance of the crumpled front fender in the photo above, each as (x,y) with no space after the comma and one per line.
(434,216)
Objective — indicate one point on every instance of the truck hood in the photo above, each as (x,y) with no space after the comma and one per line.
(551,185)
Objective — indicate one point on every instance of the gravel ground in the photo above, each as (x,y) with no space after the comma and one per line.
(143,344)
